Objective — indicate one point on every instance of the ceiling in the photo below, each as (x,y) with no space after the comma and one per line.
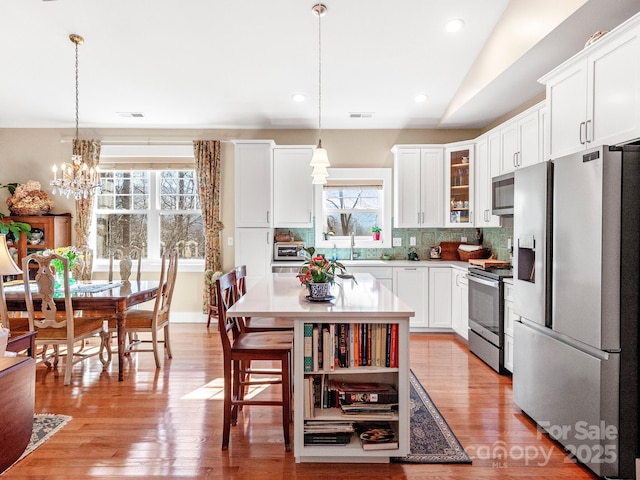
(237,63)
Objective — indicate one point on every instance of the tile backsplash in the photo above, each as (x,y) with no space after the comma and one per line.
(496,239)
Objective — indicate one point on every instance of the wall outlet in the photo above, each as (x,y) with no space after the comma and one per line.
(230,241)
(463,239)
(412,241)
(397,241)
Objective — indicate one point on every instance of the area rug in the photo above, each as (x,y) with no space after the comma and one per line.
(431,438)
(44,427)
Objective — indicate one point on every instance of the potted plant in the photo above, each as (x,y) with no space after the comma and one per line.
(317,273)
(375,231)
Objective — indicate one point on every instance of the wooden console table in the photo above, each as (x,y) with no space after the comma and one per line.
(17,384)
(19,341)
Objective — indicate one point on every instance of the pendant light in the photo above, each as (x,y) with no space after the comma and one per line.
(320,159)
(76,179)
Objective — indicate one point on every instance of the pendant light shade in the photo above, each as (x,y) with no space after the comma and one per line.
(319,170)
(320,157)
(319,180)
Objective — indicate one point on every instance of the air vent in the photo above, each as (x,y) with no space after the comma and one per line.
(131,114)
(361,115)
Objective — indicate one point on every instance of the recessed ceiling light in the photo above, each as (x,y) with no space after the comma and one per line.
(454,25)
(298,97)
(419,98)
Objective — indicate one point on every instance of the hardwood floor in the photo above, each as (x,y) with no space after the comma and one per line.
(166,423)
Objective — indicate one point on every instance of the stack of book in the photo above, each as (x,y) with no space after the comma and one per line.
(378,399)
(327,432)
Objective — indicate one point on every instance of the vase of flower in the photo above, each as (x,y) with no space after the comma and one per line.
(319,290)
(317,273)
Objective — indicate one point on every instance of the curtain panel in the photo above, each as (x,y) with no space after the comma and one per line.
(207,159)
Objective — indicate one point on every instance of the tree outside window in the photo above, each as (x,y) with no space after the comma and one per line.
(151,209)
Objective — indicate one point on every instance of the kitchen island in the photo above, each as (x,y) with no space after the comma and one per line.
(360,303)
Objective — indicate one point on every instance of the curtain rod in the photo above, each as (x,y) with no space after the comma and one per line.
(143,142)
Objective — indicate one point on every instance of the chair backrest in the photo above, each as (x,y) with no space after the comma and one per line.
(45,281)
(126,255)
(168,275)
(241,280)
(83,268)
(226,293)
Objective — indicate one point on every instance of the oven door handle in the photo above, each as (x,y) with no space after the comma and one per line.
(488,283)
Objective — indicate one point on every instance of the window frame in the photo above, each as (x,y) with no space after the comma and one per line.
(153,159)
(346,174)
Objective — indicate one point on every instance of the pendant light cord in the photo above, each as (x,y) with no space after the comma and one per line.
(320,12)
(77,95)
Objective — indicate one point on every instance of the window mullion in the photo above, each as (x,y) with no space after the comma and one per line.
(153,219)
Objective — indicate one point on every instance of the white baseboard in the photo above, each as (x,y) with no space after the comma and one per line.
(188,317)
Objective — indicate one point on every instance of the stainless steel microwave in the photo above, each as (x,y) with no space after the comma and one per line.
(502,194)
(288,251)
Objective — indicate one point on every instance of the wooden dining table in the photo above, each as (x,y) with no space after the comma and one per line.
(112,298)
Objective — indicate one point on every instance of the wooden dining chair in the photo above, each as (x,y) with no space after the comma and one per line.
(57,327)
(258,324)
(123,257)
(241,348)
(126,256)
(151,321)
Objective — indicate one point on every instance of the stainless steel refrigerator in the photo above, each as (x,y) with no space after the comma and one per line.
(576,283)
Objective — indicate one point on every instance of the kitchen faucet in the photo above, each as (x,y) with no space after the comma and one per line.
(352,243)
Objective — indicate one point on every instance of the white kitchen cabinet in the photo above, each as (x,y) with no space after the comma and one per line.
(594,98)
(520,141)
(440,297)
(254,248)
(411,285)
(487,166)
(458,181)
(292,187)
(509,318)
(253,182)
(460,302)
(418,186)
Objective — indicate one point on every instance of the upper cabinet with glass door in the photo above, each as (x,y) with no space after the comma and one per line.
(459,185)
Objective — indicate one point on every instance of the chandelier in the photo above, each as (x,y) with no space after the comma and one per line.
(76,178)
(320,159)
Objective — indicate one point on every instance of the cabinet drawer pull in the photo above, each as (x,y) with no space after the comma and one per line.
(582,129)
(588,138)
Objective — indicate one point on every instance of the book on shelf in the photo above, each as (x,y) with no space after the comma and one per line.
(316,349)
(378,409)
(308,347)
(377,436)
(327,438)
(331,346)
(319,426)
(350,392)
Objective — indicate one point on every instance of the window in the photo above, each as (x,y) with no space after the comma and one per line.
(152,209)
(353,201)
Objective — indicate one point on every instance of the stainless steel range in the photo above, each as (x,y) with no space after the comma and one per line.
(486,314)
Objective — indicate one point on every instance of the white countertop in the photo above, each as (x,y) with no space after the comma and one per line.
(385,263)
(282,295)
